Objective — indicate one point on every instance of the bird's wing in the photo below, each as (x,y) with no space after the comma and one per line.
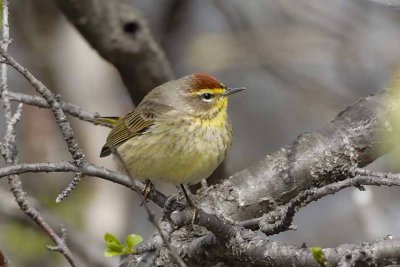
(133,124)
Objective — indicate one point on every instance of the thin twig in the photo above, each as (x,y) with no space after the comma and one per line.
(371,173)
(3,76)
(51,99)
(89,170)
(76,238)
(281,218)
(71,186)
(71,109)
(63,238)
(55,106)
(171,250)
(9,149)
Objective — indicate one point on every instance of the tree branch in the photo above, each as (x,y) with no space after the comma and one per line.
(55,107)
(230,242)
(121,35)
(366,129)
(223,230)
(313,160)
(281,219)
(152,219)
(9,151)
(247,246)
(77,239)
(71,109)
(86,169)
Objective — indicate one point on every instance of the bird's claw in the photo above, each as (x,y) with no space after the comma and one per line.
(194,211)
(149,187)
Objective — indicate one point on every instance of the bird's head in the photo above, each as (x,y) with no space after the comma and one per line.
(199,95)
(205,96)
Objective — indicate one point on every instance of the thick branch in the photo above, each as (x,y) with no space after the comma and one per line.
(247,246)
(121,35)
(314,159)
(228,242)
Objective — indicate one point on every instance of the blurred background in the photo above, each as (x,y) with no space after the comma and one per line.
(303,61)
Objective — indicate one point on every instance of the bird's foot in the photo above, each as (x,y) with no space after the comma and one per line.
(194,211)
(149,187)
(189,203)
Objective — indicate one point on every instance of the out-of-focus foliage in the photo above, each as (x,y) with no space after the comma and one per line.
(25,242)
(114,247)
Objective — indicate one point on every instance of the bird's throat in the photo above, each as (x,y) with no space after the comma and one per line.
(217,116)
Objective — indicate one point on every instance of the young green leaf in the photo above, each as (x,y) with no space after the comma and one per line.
(318,254)
(113,245)
(133,240)
(111,253)
(110,238)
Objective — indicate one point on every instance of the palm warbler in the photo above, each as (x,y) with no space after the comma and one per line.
(179,133)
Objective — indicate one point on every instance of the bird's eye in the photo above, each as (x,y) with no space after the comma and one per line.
(206,96)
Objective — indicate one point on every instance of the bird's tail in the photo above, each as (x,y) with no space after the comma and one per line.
(107,120)
(112,121)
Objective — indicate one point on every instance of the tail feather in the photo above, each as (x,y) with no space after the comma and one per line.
(106,150)
(109,120)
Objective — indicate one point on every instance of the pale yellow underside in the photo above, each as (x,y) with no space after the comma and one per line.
(178,149)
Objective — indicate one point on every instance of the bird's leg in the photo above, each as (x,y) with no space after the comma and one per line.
(149,186)
(188,200)
(189,203)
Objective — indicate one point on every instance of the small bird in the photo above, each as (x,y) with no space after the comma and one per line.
(179,133)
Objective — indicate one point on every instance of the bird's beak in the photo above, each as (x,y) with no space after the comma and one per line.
(230,91)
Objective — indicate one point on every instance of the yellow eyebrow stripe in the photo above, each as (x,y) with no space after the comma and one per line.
(218,91)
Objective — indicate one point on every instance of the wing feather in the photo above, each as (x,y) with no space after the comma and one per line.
(134,123)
